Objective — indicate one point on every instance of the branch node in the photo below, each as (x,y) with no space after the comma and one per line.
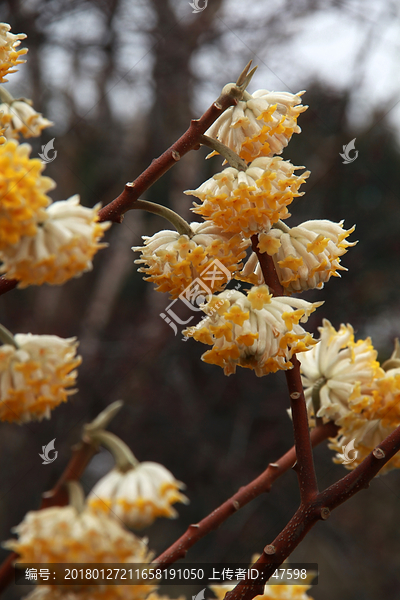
(235,504)
(175,155)
(378,453)
(270,549)
(217,105)
(325,513)
(295,395)
(275,465)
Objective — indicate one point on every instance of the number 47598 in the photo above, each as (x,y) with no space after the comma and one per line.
(289,574)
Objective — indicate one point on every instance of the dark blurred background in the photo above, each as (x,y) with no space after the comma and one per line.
(121,81)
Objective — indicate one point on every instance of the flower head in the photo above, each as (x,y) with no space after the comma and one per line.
(305,257)
(66,240)
(22,193)
(20,118)
(256,331)
(62,535)
(174,261)
(338,372)
(34,377)
(260,124)
(250,201)
(139,495)
(367,435)
(9,55)
(379,418)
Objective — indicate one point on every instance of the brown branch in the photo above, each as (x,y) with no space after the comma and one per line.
(190,140)
(247,493)
(305,463)
(58,496)
(268,269)
(320,508)
(6,285)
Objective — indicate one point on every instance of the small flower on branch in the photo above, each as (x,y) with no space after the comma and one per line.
(174,261)
(36,374)
(261,124)
(9,55)
(376,421)
(23,195)
(136,493)
(305,257)
(256,331)
(75,534)
(66,239)
(337,374)
(18,117)
(139,495)
(250,201)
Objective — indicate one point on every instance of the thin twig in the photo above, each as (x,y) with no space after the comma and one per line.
(233,159)
(320,508)
(190,140)
(305,463)
(247,493)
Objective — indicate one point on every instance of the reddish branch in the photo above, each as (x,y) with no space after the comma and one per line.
(268,269)
(188,141)
(247,493)
(309,514)
(305,463)
(314,506)
(58,496)
(6,285)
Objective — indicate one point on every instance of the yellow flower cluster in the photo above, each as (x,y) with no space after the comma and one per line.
(19,118)
(260,124)
(337,373)
(344,383)
(63,247)
(23,195)
(305,257)
(62,535)
(35,376)
(370,426)
(251,201)
(257,331)
(9,55)
(174,261)
(139,495)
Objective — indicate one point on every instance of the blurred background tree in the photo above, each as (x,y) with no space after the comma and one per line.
(121,81)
